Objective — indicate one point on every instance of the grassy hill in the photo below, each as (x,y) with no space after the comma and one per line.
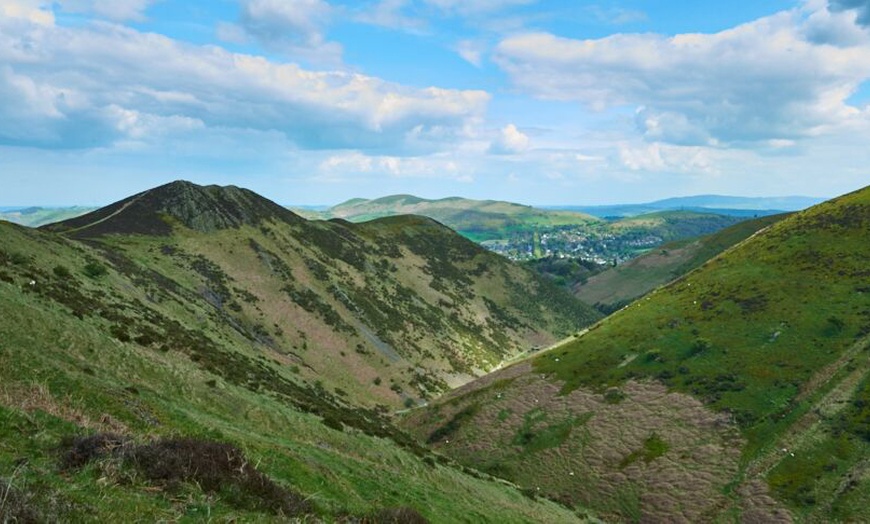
(614,288)
(478,220)
(527,233)
(39,216)
(195,353)
(738,392)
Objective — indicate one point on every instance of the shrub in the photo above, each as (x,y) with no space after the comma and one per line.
(78,451)
(213,466)
(94,269)
(61,272)
(17,507)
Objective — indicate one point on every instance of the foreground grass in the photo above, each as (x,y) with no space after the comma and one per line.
(64,372)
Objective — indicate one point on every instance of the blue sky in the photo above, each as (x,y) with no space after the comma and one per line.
(533,101)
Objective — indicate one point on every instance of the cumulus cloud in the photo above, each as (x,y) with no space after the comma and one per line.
(293,27)
(467,7)
(471,52)
(389,13)
(32,10)
(757,82)
(510,141)
(86,87)
(118,10)
(861,8)
(658,157)
(355,162)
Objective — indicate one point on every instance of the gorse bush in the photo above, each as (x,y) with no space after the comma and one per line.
(215,467)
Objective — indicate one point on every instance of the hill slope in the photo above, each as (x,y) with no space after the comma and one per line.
(737,392)
(403,300)
(478,220)
(616,287)
(121,396)
(212,314)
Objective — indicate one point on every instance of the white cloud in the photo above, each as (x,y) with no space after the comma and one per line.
(354,163)
(510,141)
(658,157)
(860,7)
(389,13)
(117,10)
(293,27)
(760,81)
(32,10)
(469,7)
(78,82)
(471,52)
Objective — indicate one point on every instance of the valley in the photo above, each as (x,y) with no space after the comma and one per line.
(393,370)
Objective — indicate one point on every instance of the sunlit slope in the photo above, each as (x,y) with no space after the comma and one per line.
(616,287)
(96,343)
(476,219)
(393,311)
(738,391)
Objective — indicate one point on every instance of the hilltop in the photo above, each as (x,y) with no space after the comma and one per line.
(212,324)
(523,232)
(737,392)
(478,220)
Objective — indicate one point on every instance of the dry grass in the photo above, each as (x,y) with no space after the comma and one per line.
(578,448)
(36,397)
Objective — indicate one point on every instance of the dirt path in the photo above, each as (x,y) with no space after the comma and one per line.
(116,213)
(804,430)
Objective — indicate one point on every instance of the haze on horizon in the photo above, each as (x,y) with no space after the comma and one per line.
(542,102)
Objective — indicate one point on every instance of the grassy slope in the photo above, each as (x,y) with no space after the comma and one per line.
(626,282)
(405,305)
(73,360)
(478,220)
(772,335)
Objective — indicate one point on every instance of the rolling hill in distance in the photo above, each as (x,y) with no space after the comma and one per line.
(523,232)
(738,392)
(171,341)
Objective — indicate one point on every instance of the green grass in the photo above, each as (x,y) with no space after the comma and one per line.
(136,348)
(772,334)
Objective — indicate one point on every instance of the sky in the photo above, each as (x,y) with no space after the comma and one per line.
(543,102)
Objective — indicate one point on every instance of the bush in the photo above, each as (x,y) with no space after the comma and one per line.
(61,272)
(16,506)
(79,451)
(94,269)
(213,466)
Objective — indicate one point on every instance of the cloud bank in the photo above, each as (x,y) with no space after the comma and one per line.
(759,82)
(92,86)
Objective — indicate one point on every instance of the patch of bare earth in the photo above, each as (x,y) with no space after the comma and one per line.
(638,453)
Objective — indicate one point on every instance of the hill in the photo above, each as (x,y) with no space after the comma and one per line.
(39,216)
(747,207)
(526,233)
(478,220)
(738,392)
(616,287)
(200,352)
